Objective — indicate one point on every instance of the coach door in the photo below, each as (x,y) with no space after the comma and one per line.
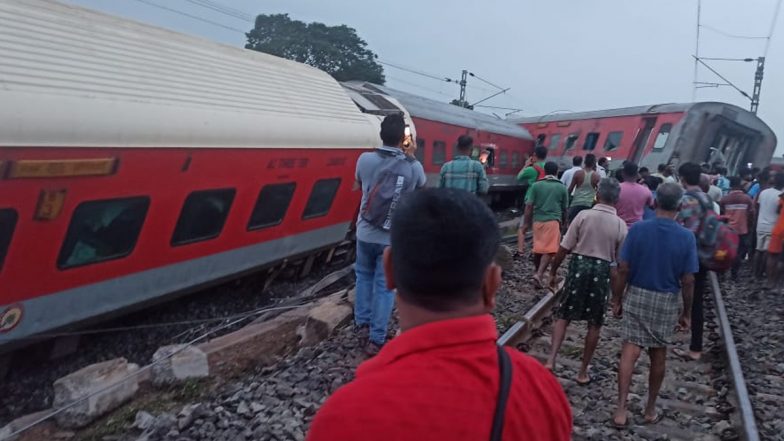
(643,133)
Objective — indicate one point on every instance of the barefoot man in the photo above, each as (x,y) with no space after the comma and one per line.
(594,239)
(658,261)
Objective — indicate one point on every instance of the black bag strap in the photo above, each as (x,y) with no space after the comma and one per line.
(505,383)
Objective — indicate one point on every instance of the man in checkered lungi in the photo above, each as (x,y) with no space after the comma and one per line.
(657,263)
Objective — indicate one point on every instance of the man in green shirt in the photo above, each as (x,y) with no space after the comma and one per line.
(545,211)
(531,173)
(534,171)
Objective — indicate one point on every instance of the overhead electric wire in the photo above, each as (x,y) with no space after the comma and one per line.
(417,72)
(485,81)
(729,35)
(773,26)
(195,17)
(225,10)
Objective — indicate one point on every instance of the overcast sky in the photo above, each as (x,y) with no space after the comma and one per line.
(554,54)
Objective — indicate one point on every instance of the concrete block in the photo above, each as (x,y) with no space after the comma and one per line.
(22,421)
(322,320)
(187,362)
(254,345)
(116,376)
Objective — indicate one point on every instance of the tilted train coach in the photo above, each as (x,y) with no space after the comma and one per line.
(661,134)
(137,163)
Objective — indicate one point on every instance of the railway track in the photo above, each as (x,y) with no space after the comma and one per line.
(706,400)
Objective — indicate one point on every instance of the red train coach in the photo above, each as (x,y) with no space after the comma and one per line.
(504,147)
(661,134)
(137,162)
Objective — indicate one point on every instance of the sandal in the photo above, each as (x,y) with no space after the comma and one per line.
(584,383)
(623,426)
(537,282)
(659,416)
(684,355)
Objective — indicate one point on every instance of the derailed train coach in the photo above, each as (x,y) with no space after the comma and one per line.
(137,163)
(703,132)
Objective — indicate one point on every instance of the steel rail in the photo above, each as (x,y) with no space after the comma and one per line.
(746,410)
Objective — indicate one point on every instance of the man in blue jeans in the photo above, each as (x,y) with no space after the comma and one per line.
(374,302)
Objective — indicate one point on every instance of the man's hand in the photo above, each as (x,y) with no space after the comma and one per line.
(617,309)
(684,323)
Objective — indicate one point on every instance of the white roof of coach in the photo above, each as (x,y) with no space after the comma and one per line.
(74,77)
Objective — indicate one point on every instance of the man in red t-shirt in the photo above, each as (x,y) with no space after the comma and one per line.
(738,208)
(440,379)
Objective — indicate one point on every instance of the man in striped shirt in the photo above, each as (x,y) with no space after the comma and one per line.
(462,172)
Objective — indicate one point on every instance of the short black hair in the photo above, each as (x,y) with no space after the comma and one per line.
(653,182)
(629,170)
(550,168)
(690,172)
(721,170)
(735,182)
(393,129)
(442,242)
(540,152)
(577,161)
(602,161)
(590,160)
(644,170)
(778,180)
(464,142)
(661,167)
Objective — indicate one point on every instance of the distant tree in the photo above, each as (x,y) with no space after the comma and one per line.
(337,50)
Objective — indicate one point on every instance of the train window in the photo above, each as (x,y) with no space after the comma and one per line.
(571,140)
(661,138)
(540,139)
(439,152)
(8,218)
(321,197)
(203,216)
(271,205)
(591,139)
(515,159)
(554,141)
(503,159)
(103,230)
(420,151)
(613,141)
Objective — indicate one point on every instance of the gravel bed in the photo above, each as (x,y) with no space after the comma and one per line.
(28,386)
(703,386)
(757,320)
(278,402)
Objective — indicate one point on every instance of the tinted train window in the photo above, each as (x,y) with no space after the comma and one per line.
(571,140)
(271,205)
(321,197)
(540,139)
(502,158)
(661,138)
(515,159)
(420,151)
(103,230)
(439,152)
(613,141)
(203,216)
(554,141)
(591,139)
(8,218)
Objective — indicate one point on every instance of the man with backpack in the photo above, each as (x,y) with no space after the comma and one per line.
(385,175)
(444,377)
(717,247)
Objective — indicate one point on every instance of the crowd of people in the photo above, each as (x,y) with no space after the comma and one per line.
(636,246)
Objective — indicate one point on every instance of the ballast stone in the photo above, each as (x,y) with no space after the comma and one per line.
(186,362)
(112,382)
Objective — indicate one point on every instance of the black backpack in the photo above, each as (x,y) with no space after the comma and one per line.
(394,177)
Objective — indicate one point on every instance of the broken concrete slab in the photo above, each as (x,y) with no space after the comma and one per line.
(322,321)
(96,389)
(254,345)
(175,363)
(22,421)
